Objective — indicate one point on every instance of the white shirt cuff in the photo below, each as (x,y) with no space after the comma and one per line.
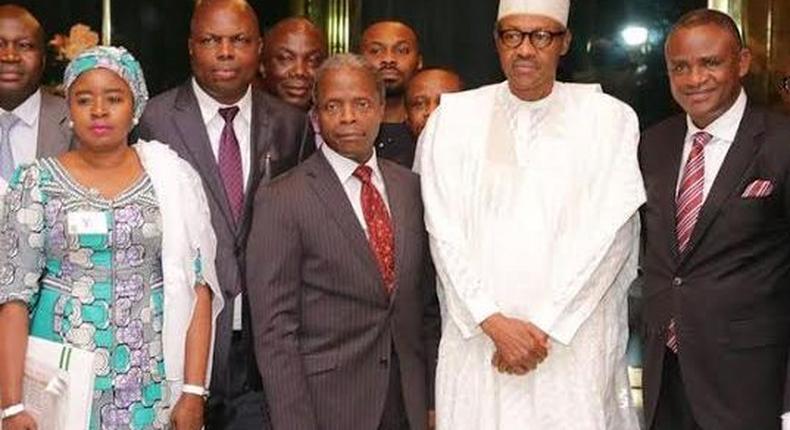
(786,421)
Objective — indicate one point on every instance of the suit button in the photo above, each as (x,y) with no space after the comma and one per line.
(383,361)
(677,281)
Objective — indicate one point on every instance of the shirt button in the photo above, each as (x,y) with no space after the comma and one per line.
(677,282)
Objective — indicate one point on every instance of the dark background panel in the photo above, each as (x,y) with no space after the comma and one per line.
(155,31)
(459,34)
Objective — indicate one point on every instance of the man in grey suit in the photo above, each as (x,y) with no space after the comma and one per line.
(32,123)
(344,309)
(236,137)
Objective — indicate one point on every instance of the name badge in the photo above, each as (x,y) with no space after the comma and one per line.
(87,222)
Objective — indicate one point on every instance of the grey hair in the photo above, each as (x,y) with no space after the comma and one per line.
(349,61)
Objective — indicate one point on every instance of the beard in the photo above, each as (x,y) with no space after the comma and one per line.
(395,89)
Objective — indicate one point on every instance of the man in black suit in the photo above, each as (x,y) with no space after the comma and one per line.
(340,281)
(236,137)
(393,48)
(716,242)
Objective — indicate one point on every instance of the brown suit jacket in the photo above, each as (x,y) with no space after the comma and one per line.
(729,291)
(174,118)
(324,326)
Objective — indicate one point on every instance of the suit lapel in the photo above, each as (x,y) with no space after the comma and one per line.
(53,139)
(329,190)
(190,125)
(739,157)
(261,149)
(397,200)
(669,171)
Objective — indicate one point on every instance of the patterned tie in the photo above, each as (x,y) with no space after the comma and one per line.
(230,163)
(7,121)
(379,227)
(689,202)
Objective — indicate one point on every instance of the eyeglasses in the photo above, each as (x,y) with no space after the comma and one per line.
(784,84)
(538,38)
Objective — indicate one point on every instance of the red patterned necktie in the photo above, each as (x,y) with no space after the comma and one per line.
(379,227)
(689,202)
(229,161)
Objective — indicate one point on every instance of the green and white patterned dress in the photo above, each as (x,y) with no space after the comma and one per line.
(100,291)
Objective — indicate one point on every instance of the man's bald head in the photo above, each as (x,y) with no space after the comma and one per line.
(207,7)
(12,11)
(292,51)
(294,24)
(22,55)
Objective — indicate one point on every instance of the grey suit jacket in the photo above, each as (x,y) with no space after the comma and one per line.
(174,118)
(324,326)
(54,135)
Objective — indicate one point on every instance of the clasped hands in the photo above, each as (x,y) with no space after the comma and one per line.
(520,345)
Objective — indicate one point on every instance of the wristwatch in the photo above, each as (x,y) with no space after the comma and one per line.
(11,411)
(194,389)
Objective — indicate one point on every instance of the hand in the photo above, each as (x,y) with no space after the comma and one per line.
(187,414)
(520,345)
(431,419)
(20,421)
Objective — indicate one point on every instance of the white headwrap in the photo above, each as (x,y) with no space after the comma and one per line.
(554,9)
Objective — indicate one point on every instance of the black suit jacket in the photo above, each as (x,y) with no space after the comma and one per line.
(276,141)
(729,291)
(324,326)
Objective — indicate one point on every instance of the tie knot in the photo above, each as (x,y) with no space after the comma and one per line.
(229,113)
(702,138)
(8,120)
(363,173)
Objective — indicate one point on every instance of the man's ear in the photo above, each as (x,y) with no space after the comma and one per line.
(744,62)
(566,42)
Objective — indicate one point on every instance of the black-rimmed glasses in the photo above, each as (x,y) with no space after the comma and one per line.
(540,39)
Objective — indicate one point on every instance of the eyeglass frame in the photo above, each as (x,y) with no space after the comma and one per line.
(784,84)
(499,32)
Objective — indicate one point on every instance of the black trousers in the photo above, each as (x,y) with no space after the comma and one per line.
(673,411)
(244,405)
(394,416)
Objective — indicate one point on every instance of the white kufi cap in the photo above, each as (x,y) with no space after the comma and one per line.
(555,9)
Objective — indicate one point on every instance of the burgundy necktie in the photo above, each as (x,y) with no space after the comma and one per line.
(689,202)
(379,227)
(230,163)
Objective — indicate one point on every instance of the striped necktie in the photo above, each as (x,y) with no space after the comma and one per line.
(689,203)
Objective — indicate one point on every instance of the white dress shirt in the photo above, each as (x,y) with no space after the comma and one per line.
(344,169)
(24,135)
(723,130)
(209,110)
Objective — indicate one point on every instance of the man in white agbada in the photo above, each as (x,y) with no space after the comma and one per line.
(531,189)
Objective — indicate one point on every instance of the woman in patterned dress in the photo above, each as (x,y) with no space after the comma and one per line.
(109,248)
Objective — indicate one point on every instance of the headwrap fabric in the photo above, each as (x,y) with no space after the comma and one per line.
(555,9)
(116,59)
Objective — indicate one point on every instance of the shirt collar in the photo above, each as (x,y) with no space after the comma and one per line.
(513,102)
(209,107)
(29,110)
(344,167)
(725,127)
